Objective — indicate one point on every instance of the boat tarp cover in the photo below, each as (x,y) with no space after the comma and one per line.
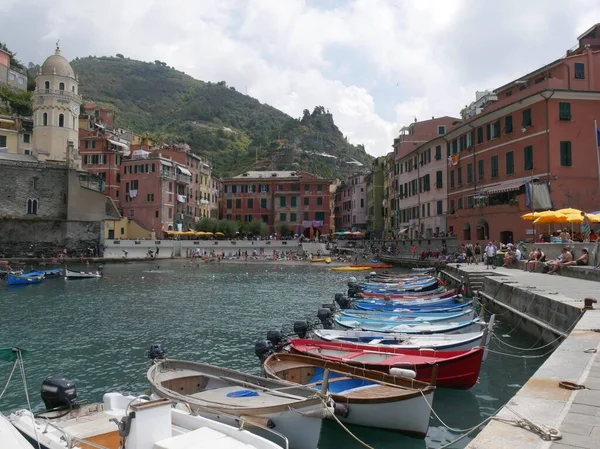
(10,354)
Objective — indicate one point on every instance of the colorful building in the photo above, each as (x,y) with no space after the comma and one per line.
(291,200)
(351,204)
(410,155)
(388,174)
(10,74)
(375,206)
(532,145)
(422,190)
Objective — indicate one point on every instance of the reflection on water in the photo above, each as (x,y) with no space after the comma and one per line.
(96,332)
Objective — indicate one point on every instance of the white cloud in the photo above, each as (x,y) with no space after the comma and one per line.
(425,58)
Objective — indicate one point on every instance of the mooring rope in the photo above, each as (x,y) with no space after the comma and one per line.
(24,378)
(9,378)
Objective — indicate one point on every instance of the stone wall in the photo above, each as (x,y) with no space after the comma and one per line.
(21,181)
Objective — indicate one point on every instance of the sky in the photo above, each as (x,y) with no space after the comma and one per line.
(375,64)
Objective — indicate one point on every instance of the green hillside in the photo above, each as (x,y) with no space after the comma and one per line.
(235,131)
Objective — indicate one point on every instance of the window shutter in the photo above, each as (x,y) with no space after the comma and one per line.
(489,131)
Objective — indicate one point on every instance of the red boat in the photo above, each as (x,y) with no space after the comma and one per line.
(456,369)
(377,266)
(409,295)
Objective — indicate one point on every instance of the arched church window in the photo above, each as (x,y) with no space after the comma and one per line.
(47,85)
(45,119)
(32,206)
(61,120)
(61,86)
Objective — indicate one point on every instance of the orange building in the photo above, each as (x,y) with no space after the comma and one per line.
(529,145)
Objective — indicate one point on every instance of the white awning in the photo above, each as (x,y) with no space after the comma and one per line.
(167,163)
(506,186)
(119,144)
(402,230)
(181,198)
(184,170)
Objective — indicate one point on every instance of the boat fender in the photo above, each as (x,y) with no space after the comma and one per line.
(352,280)
(342,410)
(403,372)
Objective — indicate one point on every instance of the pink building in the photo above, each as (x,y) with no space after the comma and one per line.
(351,204)
(422,191)
(417,161)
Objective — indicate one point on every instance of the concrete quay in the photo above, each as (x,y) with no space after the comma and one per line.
(548,306)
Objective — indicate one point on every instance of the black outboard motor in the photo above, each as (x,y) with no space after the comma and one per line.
(326,318)
(301,328)
(276,338)
(338,296)
(331,306)
(263,349)
(344,302)
(157,351)
(58,392)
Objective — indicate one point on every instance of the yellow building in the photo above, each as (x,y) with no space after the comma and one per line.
(9,136)
(126,229)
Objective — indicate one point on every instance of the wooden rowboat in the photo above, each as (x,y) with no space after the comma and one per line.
(296,412)
(370,398)
(72,274)
(456,369)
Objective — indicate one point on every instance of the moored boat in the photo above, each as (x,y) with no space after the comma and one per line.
(408,316)
(72,274)
(439,342)
(23,279)
(10,436)
(351,268)
(53,272)
(419,327)
(456,369)
(433,303)
(379,266)
(129,422)
(294,411)
(368,398)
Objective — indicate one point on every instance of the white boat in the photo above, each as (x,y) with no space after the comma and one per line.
(369,398)
(439,342)
(10,437)
(72,274)
(127,422)
(297,412)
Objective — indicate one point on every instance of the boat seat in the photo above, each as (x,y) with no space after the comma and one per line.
(375,341)
(263,399)
(202,438)
(89,426)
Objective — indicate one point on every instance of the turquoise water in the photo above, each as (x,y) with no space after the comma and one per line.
(96,332)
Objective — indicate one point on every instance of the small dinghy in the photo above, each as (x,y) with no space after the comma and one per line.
(368,398)
(10,437)
(23,279)
(456,369)
(72,274)
(422,327)
(376,316)
(128,422)
(297,412)
(439,342)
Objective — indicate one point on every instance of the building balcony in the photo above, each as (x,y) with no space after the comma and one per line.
(60,93)
(168,175)
(185,179)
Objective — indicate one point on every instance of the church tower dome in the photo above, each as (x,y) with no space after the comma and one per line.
(56,112)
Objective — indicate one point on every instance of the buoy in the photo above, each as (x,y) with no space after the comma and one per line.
(402,372)
(105,277)
(143,277)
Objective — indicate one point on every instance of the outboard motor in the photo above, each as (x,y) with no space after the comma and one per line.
(326,318)
(58,392)
(157,351)
(276,338)
(263,349)
(344,302)
(331,306)
(338,296)
(301,328)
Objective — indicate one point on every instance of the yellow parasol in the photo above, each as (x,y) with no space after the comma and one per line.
(594,218)
(535,215)
(219,234)
(573,218)
(569,211)
(555,217)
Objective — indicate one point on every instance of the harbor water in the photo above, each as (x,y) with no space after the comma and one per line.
(96,332)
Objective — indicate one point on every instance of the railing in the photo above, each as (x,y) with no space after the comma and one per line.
(64,93)
(168,175)
(184,178)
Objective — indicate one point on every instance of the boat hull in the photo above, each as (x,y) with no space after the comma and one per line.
(23,280)
(456,369)
(408,317)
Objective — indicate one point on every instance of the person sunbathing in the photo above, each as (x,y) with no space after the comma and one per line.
(581,261)
(564,258)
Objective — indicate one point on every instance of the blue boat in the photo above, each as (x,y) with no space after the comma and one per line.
(34,274)
(405,314)
(400,288)
(349,320)
(23,279)
(54,272)
(382,304)
(411,328)
(362,305)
